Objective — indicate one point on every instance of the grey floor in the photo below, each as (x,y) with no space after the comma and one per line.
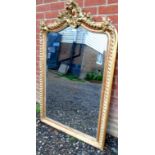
(73,103)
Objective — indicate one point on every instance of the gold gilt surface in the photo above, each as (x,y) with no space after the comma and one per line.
(74,16)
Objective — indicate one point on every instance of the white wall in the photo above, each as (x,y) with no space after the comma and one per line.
(96,41)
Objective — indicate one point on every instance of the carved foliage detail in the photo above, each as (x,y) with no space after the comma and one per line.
(74,16)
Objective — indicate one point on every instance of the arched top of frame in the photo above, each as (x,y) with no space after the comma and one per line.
(74,16)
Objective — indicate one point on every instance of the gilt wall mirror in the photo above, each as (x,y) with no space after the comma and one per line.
(77,58)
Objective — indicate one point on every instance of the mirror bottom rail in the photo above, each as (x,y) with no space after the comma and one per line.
(72,132)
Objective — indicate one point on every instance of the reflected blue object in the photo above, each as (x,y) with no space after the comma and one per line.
(75,69)
(53,49)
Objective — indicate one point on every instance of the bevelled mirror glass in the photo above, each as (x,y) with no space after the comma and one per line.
(77,64)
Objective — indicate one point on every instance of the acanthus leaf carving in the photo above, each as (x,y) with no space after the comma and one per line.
(74,16)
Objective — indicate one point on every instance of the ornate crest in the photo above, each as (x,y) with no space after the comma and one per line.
(74,16)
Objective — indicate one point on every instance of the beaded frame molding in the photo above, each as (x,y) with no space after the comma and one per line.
(73,16)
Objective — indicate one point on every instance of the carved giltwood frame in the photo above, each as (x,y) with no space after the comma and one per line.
(74,16)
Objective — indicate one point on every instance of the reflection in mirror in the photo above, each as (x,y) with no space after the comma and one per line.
(75,62)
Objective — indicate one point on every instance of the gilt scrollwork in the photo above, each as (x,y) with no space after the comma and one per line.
(74,16)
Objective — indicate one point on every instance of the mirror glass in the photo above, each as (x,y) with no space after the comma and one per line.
(74,75)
